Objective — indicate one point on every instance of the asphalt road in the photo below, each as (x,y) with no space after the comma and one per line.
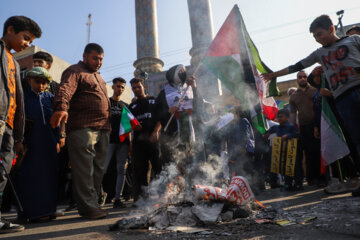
(336,217)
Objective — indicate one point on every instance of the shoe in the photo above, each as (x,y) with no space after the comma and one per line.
(72,206)
(42,219)
(335,188)
(298,188)
(118,204)
(58,213)
(352,185)
(102,199)
(95,214)
(8,227)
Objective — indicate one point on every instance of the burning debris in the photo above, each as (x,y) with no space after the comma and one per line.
(208,206)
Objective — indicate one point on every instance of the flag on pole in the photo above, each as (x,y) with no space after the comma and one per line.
(333,143)
(234,59)
(128,122)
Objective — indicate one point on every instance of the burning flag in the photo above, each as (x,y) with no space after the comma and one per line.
(234,59)
(333,144)
(128,122)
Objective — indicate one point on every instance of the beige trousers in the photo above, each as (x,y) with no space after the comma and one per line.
(87,153)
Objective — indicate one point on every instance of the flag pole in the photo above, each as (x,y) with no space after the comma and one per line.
(181,99)
(340,172)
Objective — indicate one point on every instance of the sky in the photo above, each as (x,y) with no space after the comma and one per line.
(279,28)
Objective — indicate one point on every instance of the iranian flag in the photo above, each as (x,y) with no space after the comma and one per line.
(333,144)
(128,122)
(234,59)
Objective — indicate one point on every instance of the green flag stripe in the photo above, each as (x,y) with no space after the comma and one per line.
(331,119)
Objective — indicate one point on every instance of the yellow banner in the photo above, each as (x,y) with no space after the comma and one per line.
(291,157)
(275,155)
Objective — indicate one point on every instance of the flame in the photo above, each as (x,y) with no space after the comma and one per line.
(259,203)
(170,187)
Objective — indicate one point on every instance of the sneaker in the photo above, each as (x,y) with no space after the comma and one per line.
(95,214)
(8,227)
(352,185)
(335,188)
(298,188)
(59,213)
(118,204)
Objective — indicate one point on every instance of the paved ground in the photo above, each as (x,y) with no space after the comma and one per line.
(337,217)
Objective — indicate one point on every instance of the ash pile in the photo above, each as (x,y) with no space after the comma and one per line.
(200,207)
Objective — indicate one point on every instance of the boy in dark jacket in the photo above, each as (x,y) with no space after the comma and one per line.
(19,32)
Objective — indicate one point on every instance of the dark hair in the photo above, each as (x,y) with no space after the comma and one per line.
(22,23)
(301,71)
(43,55)
(137,80)
(284,111)
(93,46)
(323,21)
(353,28)
(118,79)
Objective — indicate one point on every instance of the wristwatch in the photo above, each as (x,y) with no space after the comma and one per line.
(62,135)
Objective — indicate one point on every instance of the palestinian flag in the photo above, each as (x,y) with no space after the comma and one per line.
(128,122)
(234,59)
(333,143)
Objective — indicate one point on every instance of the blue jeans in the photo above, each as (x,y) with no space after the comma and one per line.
(348,106)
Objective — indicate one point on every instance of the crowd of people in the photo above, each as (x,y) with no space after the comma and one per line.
(52,129)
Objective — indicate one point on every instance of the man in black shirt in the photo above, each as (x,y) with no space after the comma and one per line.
(119,148)
(178,142)
(145,142)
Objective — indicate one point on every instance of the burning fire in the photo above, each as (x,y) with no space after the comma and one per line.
(170,188)
(259,203)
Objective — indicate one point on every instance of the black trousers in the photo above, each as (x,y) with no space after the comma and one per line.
(298,172)
(143,153)
(312,148)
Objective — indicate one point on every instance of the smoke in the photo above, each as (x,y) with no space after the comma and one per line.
(204,162)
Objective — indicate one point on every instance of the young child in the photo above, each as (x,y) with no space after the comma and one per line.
(340,61)
(38,172)
(286,131)
(19,32)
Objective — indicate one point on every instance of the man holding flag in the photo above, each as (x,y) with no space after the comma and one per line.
(234,59)
(118,145)
(145,141)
